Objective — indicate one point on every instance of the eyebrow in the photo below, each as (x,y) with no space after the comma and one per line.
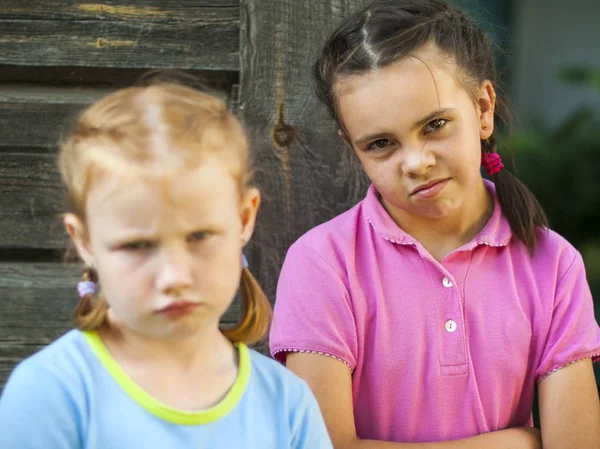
(418,124)
(129,238)
(431,116)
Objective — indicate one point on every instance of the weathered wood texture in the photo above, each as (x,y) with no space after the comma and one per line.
(31,200)
(304,173)
(34,117)
(71,76)
(159,11)
(150,34)
(38,300)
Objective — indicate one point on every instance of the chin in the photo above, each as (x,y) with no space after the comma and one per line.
(177,333)
(431,215)
(434,212)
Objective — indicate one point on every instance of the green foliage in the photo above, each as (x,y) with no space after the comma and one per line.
(580,76)
(561,167)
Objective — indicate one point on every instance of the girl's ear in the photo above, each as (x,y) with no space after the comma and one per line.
(77,231)
(248,211)
(486,104)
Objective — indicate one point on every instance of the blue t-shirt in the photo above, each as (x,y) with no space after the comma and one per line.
(73,394)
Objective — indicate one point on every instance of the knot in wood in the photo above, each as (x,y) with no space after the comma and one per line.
(283,135)
(102,43)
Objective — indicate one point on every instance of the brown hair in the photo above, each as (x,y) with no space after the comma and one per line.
(157,129)
(389,30)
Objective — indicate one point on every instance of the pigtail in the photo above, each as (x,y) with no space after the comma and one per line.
(520,207)
(90,313)
(256,312)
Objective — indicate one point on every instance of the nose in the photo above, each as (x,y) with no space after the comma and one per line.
(174,271)
(417,158)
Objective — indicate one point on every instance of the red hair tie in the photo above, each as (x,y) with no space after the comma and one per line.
(492,163)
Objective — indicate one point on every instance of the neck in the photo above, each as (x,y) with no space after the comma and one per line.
(441,236)
(205,347)
(191,373)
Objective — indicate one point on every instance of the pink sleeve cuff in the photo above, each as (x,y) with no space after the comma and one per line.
(595,356)
(280,354)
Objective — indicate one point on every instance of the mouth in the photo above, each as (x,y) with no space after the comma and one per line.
(430,189)
(178,308)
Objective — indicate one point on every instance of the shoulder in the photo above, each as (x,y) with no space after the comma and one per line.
(46,388)
(59,359)
(63,358)
(57,368)
(554,253)
(292,404)
(276,380)
(329,243)
(341,228)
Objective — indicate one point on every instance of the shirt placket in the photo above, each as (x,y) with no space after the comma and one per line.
(450,322)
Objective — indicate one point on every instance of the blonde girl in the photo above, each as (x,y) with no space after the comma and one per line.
(161,208)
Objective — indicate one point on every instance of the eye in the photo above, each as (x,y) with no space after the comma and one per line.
(136,246)
(435,125)
(198,236)
(378,144)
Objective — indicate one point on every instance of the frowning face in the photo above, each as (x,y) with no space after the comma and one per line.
(168,252)
(416,132)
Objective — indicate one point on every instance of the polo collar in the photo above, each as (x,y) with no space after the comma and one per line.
(496,232)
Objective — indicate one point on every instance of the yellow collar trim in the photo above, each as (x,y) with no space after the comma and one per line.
(161,410)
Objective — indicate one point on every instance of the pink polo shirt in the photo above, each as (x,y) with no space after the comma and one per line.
(438,351)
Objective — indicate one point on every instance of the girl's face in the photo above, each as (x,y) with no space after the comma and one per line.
(417,133)
(168,253)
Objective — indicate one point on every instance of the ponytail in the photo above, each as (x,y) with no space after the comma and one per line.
(90,313)
(520,207)
(256,312)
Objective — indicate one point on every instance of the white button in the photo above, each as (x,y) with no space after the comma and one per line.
(450,326)
(447,283)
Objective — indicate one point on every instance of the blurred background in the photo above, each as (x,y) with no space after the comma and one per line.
(549,55)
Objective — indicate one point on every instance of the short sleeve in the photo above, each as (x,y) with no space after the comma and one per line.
(574,333)
(308,427)
(313,309)
(35,411)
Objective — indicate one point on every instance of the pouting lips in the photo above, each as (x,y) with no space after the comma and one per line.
(428,185)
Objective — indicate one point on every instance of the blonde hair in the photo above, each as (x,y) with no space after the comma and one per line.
(157,130)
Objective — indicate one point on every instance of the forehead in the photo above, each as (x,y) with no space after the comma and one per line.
(405,90)
(189,198)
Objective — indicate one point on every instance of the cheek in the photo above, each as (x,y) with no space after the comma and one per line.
(377,171)
(462,152)
(123,279)
(218,268)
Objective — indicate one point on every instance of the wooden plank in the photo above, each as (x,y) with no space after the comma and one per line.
(305,175)
(81,77)
(157,11)
(31,201)
(34,117)
(38,300)
(120,35)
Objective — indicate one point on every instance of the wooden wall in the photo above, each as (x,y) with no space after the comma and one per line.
(58,55)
